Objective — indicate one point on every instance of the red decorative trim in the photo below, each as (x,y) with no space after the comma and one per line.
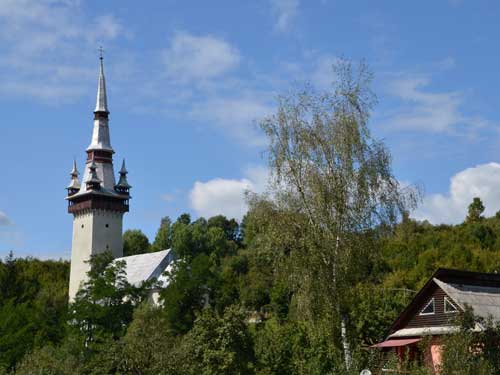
(101,115)
(100,156)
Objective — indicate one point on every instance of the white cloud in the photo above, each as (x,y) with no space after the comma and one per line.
(259,175)
(4,219)
(190,57)
(285,12)
(227,196)
(238,116)
(481,181)
(438,112)
(40,39)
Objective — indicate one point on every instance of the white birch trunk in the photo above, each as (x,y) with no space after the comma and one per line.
(345,342)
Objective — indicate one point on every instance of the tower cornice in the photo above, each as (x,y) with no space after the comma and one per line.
(94,200)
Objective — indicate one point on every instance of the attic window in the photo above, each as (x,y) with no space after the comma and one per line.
(428,309)
(449,307)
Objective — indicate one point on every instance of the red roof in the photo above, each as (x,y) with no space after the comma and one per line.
(395,342)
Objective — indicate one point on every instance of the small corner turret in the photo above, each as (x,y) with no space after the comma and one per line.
(74,185)
(123,187)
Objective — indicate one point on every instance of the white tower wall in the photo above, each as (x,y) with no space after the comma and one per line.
(94,232)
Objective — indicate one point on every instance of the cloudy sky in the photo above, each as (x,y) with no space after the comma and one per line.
(188,82)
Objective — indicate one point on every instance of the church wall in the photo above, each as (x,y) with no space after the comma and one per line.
(80,251)
(94,232)
(107,232)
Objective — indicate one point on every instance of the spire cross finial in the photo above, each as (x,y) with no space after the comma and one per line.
(102,102)
(101,52)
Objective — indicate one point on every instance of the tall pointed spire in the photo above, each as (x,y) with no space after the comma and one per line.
(102,100)
(100,134)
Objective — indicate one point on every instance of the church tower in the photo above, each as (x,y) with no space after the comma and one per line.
(98,203)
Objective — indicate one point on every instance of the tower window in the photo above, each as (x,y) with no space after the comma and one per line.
(107,225)
(107,246)
(428,309)
(82,225)
(449,307)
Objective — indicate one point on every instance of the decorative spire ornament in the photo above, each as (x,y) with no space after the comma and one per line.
(93,182)
(123,186)
(74,185)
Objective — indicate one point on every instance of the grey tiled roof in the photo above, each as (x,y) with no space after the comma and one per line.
(144,267)
(484,300)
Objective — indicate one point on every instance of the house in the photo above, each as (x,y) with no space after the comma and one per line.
(433,310)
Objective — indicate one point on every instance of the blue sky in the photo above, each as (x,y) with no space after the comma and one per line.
(188,81)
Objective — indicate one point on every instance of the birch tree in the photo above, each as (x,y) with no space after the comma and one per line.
(326,165)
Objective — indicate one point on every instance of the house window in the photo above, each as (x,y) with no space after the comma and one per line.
(449,307)
(428,309)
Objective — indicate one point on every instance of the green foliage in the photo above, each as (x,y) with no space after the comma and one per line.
(374,308)
(135,242)
(33,303)
(476,209)
(197,330)
(220,345)
(50,360)
(149,347)
(201,276)
(187,293)
(469,352)
(484,234)
(184,219)
(229,226)
(330,170)
(104,306)
(189,239)
(280,300)
(295,348)
(163,239)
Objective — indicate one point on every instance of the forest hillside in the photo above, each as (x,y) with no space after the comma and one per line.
(253,323)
